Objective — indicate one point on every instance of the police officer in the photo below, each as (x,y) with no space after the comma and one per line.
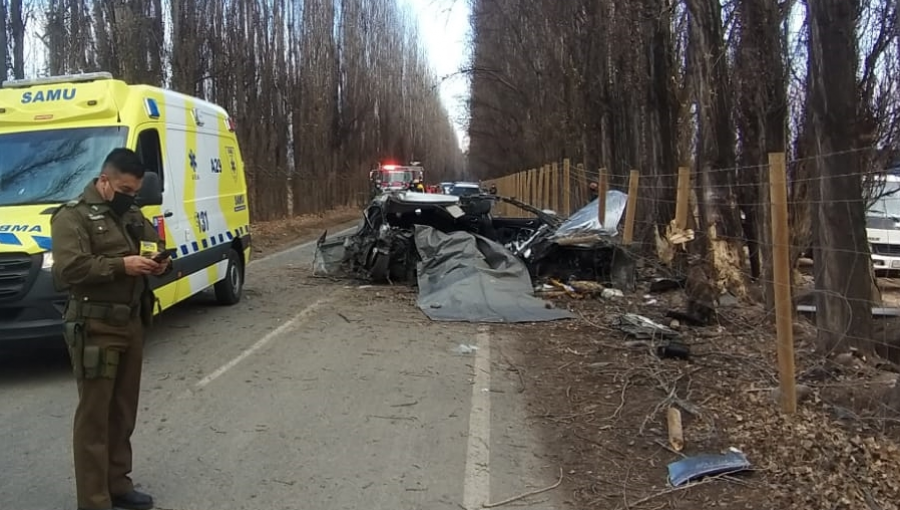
(103,251)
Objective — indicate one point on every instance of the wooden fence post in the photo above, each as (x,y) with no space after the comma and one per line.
(520,186)
(582,180)
(682,199)
(782,277)
(554,186)
(539,192)
(602,191)
(567,186)
(545,204)
(628,235)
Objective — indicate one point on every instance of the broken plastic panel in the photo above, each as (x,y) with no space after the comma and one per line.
(586,221)
(693,468)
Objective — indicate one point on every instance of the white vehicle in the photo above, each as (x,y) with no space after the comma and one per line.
(883,226)
(464,189)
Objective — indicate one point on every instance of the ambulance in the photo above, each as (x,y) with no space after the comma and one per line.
(54,135)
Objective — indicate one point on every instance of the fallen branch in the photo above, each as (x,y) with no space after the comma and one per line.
(527,494)
(676,489)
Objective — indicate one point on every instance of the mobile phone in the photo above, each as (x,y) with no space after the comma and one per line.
(163,255)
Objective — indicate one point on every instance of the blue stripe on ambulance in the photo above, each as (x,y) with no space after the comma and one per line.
(10,239)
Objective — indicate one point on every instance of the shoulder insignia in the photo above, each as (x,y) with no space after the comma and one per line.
(71,204)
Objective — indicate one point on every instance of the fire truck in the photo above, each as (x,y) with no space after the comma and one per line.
(392,177)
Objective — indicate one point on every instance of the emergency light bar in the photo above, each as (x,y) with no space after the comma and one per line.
(48,80)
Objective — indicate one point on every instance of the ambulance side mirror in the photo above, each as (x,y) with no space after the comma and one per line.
(151,190)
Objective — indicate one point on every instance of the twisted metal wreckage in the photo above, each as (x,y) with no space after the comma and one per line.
(472,266)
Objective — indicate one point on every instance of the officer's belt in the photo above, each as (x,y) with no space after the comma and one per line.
(115,313)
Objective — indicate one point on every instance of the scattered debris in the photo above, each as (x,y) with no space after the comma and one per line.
(641,327)
(676,433)
(693,468)
(659,285)
(465,349)
(674,350)
(612,294)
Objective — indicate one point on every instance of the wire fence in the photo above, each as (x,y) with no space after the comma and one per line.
(802,247)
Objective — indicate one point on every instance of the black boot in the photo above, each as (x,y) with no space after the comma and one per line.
(133,500)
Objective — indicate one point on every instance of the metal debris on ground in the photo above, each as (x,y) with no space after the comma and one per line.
(642,328)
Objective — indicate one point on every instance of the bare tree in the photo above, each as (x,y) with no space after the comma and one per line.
(4,41)
(319,89)
(17,31)
(842,257)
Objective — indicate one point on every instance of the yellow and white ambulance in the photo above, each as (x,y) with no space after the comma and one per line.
(55,133)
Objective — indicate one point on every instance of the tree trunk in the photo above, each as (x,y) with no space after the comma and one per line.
(716,140)
(4,42)
(761,119)
(842,258)
(17,30)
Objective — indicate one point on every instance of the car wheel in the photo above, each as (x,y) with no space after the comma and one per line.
(228,291)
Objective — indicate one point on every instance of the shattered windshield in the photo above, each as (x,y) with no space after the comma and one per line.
(888,203)
(53,166)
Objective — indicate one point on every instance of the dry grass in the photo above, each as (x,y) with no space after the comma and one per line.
(275,235)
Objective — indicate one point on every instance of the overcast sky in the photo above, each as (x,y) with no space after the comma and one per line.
(444,28)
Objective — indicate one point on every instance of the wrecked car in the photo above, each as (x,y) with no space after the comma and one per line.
(470,265)
(383,247)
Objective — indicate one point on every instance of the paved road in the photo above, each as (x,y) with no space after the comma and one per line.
(309,394)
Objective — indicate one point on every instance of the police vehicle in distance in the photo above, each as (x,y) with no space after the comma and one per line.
(54,135)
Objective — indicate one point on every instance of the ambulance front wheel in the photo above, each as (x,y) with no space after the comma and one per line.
(228,291)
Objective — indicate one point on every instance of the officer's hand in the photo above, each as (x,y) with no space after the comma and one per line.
(135,265)
(162,267)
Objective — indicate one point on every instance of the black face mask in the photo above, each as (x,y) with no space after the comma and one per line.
(120,203)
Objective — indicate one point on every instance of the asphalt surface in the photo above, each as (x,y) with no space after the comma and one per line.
(309,394)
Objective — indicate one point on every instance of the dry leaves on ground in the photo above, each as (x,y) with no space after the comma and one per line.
(602,400)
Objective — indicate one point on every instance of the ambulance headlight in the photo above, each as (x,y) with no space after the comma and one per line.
(47,264)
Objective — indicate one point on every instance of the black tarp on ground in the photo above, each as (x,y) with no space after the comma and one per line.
(467,278)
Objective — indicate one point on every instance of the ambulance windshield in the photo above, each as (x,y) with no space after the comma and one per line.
(53,166)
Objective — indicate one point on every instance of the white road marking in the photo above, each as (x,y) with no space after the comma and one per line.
(298,247)
(477,483)
(296,319)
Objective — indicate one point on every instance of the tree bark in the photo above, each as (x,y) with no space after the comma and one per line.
(17,30)
(842,258)
(4,42)
(716,158)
